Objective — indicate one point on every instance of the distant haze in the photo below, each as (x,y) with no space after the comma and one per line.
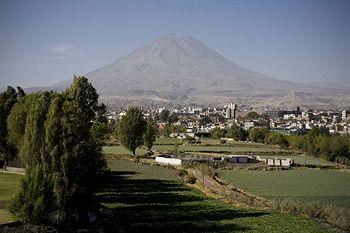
(42,43)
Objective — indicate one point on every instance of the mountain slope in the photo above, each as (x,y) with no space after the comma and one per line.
(178,68)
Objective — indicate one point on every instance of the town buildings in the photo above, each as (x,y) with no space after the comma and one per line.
(293,121)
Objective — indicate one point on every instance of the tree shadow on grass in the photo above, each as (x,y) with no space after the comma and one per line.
(165,206)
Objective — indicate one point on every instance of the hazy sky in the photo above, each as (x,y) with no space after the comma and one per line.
(43,42)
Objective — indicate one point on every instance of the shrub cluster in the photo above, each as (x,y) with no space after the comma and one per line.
(319,143)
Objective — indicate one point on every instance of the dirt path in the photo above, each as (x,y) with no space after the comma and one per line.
(20,172)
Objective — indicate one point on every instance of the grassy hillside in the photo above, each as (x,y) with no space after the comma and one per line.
(324,186)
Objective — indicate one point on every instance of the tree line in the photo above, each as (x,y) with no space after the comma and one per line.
(56,136)
(317,142)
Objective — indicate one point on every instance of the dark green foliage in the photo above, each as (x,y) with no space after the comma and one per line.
(35,200)
(218,133)
(32,149)
(205,120)
(275,138)
(173,118)
(237,133)
(100,132)
(85,97)
(296,142)
(150,134)
(101,111)
(80,161)
(319,131)
(8,99)
(319,143)
(258,134)
(62,153)
(131,129)
(164,115)
(17,119)
(252,116)
(20,92)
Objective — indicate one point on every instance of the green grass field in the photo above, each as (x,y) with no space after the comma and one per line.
(167,141)
(151,199)
(120,150)
(9,184)
(141,171)
(305,185)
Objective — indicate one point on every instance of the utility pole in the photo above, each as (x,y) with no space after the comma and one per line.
(203,171)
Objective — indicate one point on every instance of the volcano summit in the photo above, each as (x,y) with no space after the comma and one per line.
(182,70)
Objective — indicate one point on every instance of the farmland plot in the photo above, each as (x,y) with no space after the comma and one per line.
(305,185)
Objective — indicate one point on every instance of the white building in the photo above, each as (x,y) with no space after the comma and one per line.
(231,111)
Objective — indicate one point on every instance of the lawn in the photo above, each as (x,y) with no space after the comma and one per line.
(120,150)
(167,141)
(9,184)
(151,199)
(305,185)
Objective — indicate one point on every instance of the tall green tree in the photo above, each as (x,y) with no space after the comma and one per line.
(150,134)
(32,150)
(218,133)
(131,129)
(258,134)
(17,120)
(237,133)
(7,100)
(164,115)
(80,158)
(62,158)
(276,138)
(34,200)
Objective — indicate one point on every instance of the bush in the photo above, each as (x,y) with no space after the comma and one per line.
(275,138)
(258,134)
(181,173)
(190,179)
(343,160)
(34,201)
(222,141)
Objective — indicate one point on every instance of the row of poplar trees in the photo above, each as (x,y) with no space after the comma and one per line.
(54,135)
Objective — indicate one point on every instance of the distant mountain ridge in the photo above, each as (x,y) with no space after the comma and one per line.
(182,70)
